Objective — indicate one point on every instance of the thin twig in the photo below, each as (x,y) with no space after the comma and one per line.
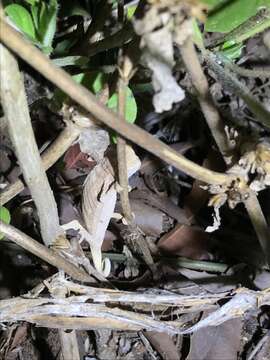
(231,83)
(86,99)
(258,72)
(200,83)
(124,73)
(14,102)
(49,157)
(259,222)
(179,261)
(259,346)
(43,252)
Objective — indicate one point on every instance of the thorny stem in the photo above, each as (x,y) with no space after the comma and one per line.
(121,143)
(49,157)
(13,100)
(86,99)
(43,252)
(200,83)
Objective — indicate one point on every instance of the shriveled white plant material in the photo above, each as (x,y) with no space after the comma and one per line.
(253,172)
(86,308)
(157,36)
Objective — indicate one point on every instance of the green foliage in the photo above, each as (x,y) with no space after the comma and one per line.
(21,17)
(95,81)
(231,51)
(46,19)
(131,106)
(226,15)
(5,217)
(37,20)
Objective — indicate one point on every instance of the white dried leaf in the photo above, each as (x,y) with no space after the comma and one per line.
(158,55)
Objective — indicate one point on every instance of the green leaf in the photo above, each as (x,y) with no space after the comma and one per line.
(93,81)
(227,15)
(75,60)
(32,2)
(5,217)
(21,18)
(131,105)
(232,51)
(130,11)
(35,15)
(47,23)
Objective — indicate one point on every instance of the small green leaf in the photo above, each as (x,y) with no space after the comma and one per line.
(130,11)
(75,60)
(131,106)
(93,81)
(229,14)
(232,51)
(47,23)
(21,18)
(5,217)
(32,2)
(35,15)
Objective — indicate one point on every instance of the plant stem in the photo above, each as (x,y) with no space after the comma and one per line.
(180,261)
(229,81)
(13,99)
(121,144)
(213,119)
(43,252)
(49,157)
(200,83)
(87,100)
(259,222)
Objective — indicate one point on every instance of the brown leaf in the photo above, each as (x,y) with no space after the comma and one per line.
(75,158)
(164,344)
(185,241)
(220,343)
